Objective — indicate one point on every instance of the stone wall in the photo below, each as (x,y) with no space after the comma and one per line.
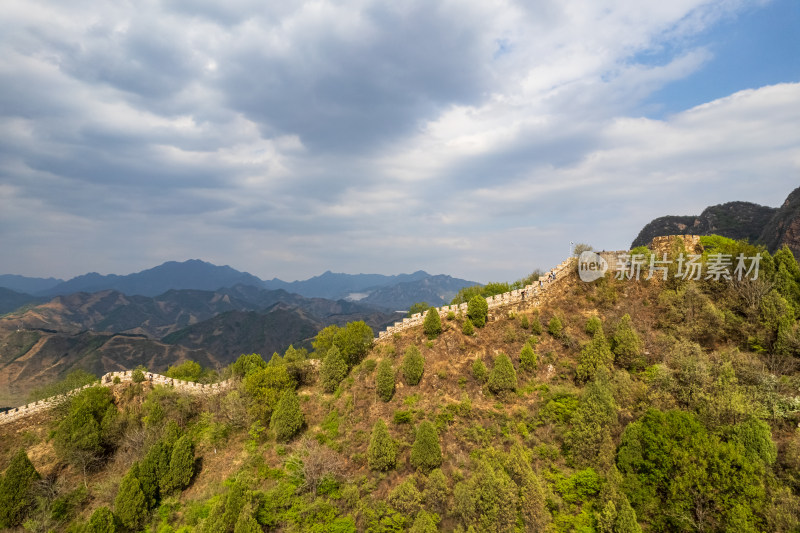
(529,293)
(107,381)
(663,245)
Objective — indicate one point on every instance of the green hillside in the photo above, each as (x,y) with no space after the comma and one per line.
(614,406)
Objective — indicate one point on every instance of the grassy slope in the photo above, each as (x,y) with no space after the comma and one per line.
(469,417)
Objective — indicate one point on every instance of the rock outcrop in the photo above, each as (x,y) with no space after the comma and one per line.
(773,227)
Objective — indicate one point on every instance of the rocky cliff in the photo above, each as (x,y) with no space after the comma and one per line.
(770,226)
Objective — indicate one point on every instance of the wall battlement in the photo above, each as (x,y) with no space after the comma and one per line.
(529,293)
(107,381)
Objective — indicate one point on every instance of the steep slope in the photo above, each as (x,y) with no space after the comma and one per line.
(33,358)
(11,300)
(231,334)
(622,406)
(783,229)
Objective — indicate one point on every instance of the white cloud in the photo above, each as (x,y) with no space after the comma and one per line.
(473,138)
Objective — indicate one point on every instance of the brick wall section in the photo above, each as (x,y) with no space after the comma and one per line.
(530,293)
(107,381)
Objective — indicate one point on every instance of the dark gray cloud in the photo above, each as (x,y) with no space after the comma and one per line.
(343,91)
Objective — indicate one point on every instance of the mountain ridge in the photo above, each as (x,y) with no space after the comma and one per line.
(196,274)
(773,227)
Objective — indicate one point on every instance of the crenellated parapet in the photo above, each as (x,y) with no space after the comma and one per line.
(529,293)
(109,380)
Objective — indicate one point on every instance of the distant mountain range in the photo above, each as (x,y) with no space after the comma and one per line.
(108,330)
(391,292)
(27,285)
(178,311)
(184,310)
(773,227)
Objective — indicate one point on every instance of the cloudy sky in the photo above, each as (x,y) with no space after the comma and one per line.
(473,138)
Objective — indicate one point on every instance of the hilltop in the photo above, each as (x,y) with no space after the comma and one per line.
(623,405)
(770,226)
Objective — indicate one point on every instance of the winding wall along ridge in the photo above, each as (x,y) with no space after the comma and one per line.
(530,293)
(107,380)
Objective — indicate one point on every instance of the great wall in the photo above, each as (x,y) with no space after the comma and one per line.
(529,295)
(108,380)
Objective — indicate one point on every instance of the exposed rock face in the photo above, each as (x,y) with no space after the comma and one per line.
(770,226)
(784,226)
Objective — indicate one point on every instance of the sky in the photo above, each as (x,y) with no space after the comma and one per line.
(471,138)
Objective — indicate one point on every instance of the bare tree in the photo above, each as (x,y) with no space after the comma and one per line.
(750,292)
(318,462)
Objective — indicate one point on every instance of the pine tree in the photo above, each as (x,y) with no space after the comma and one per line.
(382,451)
(626,344)
(424,523)
(503,377)
(246,523)
(413,365)
(607,517)
(153,471)
(432,324)
(626,518)
(426,453)
(16,494)
(555,327)
(478,310)
(102,521)
(436,491)
(287,419)
(131,505)
(181,463)
(531,493)
(593,356)
(333,371)
(528,360)
(479,371)
(405,497)
(589,439)
(384,380)
(468,328)
(593,325)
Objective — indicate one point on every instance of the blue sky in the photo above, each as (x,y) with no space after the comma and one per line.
(758,46)
(473,138)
